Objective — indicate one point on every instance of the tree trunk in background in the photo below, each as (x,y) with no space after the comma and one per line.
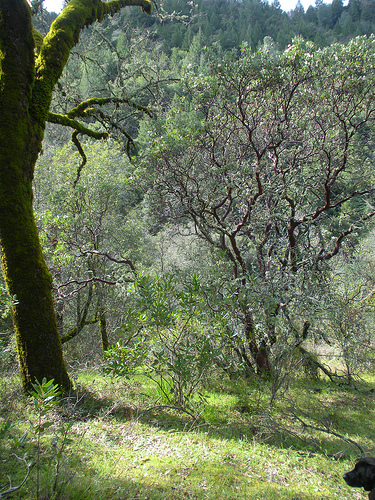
(103,330)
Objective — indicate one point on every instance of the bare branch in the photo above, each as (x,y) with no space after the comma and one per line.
(12,489)
(339,240)
(82,284)
(109,257)
(323,427)
(83,156)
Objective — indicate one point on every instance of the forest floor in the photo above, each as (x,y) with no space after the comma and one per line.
(114,439)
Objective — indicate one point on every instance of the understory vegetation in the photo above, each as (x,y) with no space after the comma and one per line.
(121,442)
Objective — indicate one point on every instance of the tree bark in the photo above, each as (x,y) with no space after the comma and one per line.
(103,330)
(26,86)
(25,272)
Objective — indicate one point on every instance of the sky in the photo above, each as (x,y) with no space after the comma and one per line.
(287,5)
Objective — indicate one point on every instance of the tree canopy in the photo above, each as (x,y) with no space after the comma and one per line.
(270,168)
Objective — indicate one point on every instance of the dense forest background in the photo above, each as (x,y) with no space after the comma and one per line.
(231,23)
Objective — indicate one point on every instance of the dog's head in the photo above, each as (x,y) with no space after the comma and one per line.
(363,474)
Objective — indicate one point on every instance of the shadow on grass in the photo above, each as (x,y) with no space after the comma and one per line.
(108,465)
(157,480)
(344,406)
(164,417)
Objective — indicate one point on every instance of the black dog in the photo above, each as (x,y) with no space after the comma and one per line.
(363,474)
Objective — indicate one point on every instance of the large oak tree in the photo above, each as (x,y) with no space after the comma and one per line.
(28,76)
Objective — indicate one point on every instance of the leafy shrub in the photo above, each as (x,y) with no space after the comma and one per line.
(178,341)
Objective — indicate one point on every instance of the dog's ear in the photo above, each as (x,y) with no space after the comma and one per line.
(368,460)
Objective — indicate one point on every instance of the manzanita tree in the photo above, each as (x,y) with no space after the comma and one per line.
(269,158)
(30,67)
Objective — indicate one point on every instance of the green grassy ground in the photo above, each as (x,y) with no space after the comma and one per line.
(125,447)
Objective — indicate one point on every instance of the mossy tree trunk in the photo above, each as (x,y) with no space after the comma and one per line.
(26,86)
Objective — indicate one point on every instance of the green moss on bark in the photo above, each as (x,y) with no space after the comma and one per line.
(59,41)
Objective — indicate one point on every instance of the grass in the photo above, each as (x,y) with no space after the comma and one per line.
(123,447)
